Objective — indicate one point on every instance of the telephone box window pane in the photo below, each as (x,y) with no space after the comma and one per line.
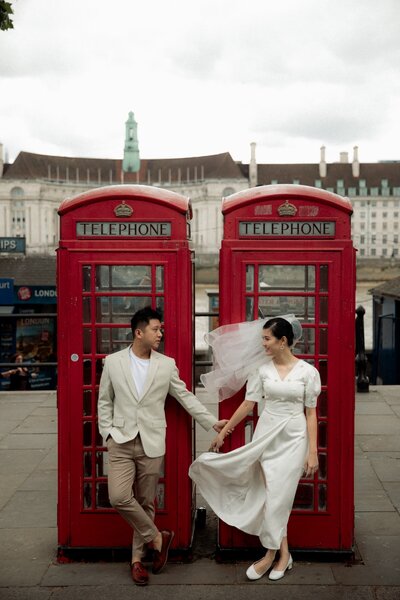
(99,369)
(249,278)
(323,341)
(102,500)
(323,404)
(323,310)
(302,306)
(87,464)
(160,496)
(103,341)
(87,433)
(323,371)
(160,306)
(159,278)
(322,434)
(248,431)
(322,465)
(135,277)
(101,464)
(119,309)
(87,371)
(87,317)
(304,499)
(279,278)
(87,495)
(307,343)
(86,273)
(249,309)
(322,497)
(99,439)
(87,341)
(103,277)
(323,278)
(87,403)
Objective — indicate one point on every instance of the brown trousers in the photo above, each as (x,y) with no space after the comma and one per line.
(132,487)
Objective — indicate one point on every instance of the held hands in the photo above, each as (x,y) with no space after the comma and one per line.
(219,425)
(217,443)
(311,465)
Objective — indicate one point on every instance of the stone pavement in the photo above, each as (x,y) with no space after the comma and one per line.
(28,535)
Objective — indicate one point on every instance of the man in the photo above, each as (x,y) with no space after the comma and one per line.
(133,388)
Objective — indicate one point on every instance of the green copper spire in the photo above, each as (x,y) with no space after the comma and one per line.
(131,162)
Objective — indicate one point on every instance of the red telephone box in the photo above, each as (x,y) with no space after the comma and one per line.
(288,249)
(121,248)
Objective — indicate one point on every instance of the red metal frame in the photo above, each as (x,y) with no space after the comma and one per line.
(92,527)
(330,529)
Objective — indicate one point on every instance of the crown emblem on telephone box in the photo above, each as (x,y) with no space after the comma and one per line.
(287,210)
(123,210)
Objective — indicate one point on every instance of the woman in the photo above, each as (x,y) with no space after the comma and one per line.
(19,377)
(253,487)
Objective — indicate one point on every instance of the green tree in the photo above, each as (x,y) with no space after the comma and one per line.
(5,15)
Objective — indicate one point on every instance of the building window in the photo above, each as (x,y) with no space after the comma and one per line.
(395,225)
(17,192)
(362,183)
(362,214)
(395,251)
(228,192)
(362,252)
(362,239)
(396,191)
(373,251)
(395,239)
(373,239)
(274,182)
(396,214)
(318,183)
(373,203)
(384,183)
(363,203)
(385,203)
(373,225)
(384,252)
(362,226)
(352,191)
(384,239)
(384,215)
(373,215)
(384,225)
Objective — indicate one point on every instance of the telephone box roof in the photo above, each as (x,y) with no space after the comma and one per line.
(284,191)
(128,192)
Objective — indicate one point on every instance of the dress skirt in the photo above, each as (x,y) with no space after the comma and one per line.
(253,487)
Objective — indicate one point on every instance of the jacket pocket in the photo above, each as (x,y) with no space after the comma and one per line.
(118,422)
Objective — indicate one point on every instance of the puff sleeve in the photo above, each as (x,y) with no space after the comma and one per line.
(312,388)
(254,388)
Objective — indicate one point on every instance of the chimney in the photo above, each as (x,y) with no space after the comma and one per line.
(355,165)
(253,166)
(322,163)
(344,157)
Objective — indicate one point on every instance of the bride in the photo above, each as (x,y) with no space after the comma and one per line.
(253,487)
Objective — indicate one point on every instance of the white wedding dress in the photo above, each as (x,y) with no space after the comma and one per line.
(253,487)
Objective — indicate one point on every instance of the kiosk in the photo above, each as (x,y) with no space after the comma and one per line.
(288,249)
(121,248)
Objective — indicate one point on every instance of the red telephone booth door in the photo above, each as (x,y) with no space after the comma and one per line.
(311,287)
(101,292)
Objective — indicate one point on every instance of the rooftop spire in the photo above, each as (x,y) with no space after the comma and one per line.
(131,162)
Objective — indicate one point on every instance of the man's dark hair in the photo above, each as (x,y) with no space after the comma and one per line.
(142,317)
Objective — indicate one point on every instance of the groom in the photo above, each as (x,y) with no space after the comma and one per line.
(133,388)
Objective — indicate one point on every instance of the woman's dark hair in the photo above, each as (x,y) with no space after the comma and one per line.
(280,327)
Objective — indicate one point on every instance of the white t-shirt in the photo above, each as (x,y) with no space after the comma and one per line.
(139,369)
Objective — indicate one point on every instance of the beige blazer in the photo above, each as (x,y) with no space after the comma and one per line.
(122,414)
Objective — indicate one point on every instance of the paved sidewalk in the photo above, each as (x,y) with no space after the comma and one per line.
(28,536)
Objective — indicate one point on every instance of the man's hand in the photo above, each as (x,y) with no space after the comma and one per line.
(220,424)
(217,443)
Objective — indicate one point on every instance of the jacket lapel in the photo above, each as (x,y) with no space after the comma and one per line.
(151,373)
(127,371)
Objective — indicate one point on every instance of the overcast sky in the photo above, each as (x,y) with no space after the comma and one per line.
(202,77)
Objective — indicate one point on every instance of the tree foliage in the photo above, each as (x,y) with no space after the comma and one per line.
(5,15)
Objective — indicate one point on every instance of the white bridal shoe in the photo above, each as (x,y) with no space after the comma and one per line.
(275,575)
(252,573)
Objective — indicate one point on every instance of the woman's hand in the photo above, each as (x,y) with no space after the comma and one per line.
(311,465)
(217,443)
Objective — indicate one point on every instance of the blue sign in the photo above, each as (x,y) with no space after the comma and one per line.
(35,294)
(12,244)
(6,291)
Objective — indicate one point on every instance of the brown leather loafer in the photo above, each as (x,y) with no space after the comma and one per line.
(161,557)
(139,573)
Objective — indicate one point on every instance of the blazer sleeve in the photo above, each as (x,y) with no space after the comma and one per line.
(105,403)
(178,389)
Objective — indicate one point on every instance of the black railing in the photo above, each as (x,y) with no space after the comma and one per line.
(361,357)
